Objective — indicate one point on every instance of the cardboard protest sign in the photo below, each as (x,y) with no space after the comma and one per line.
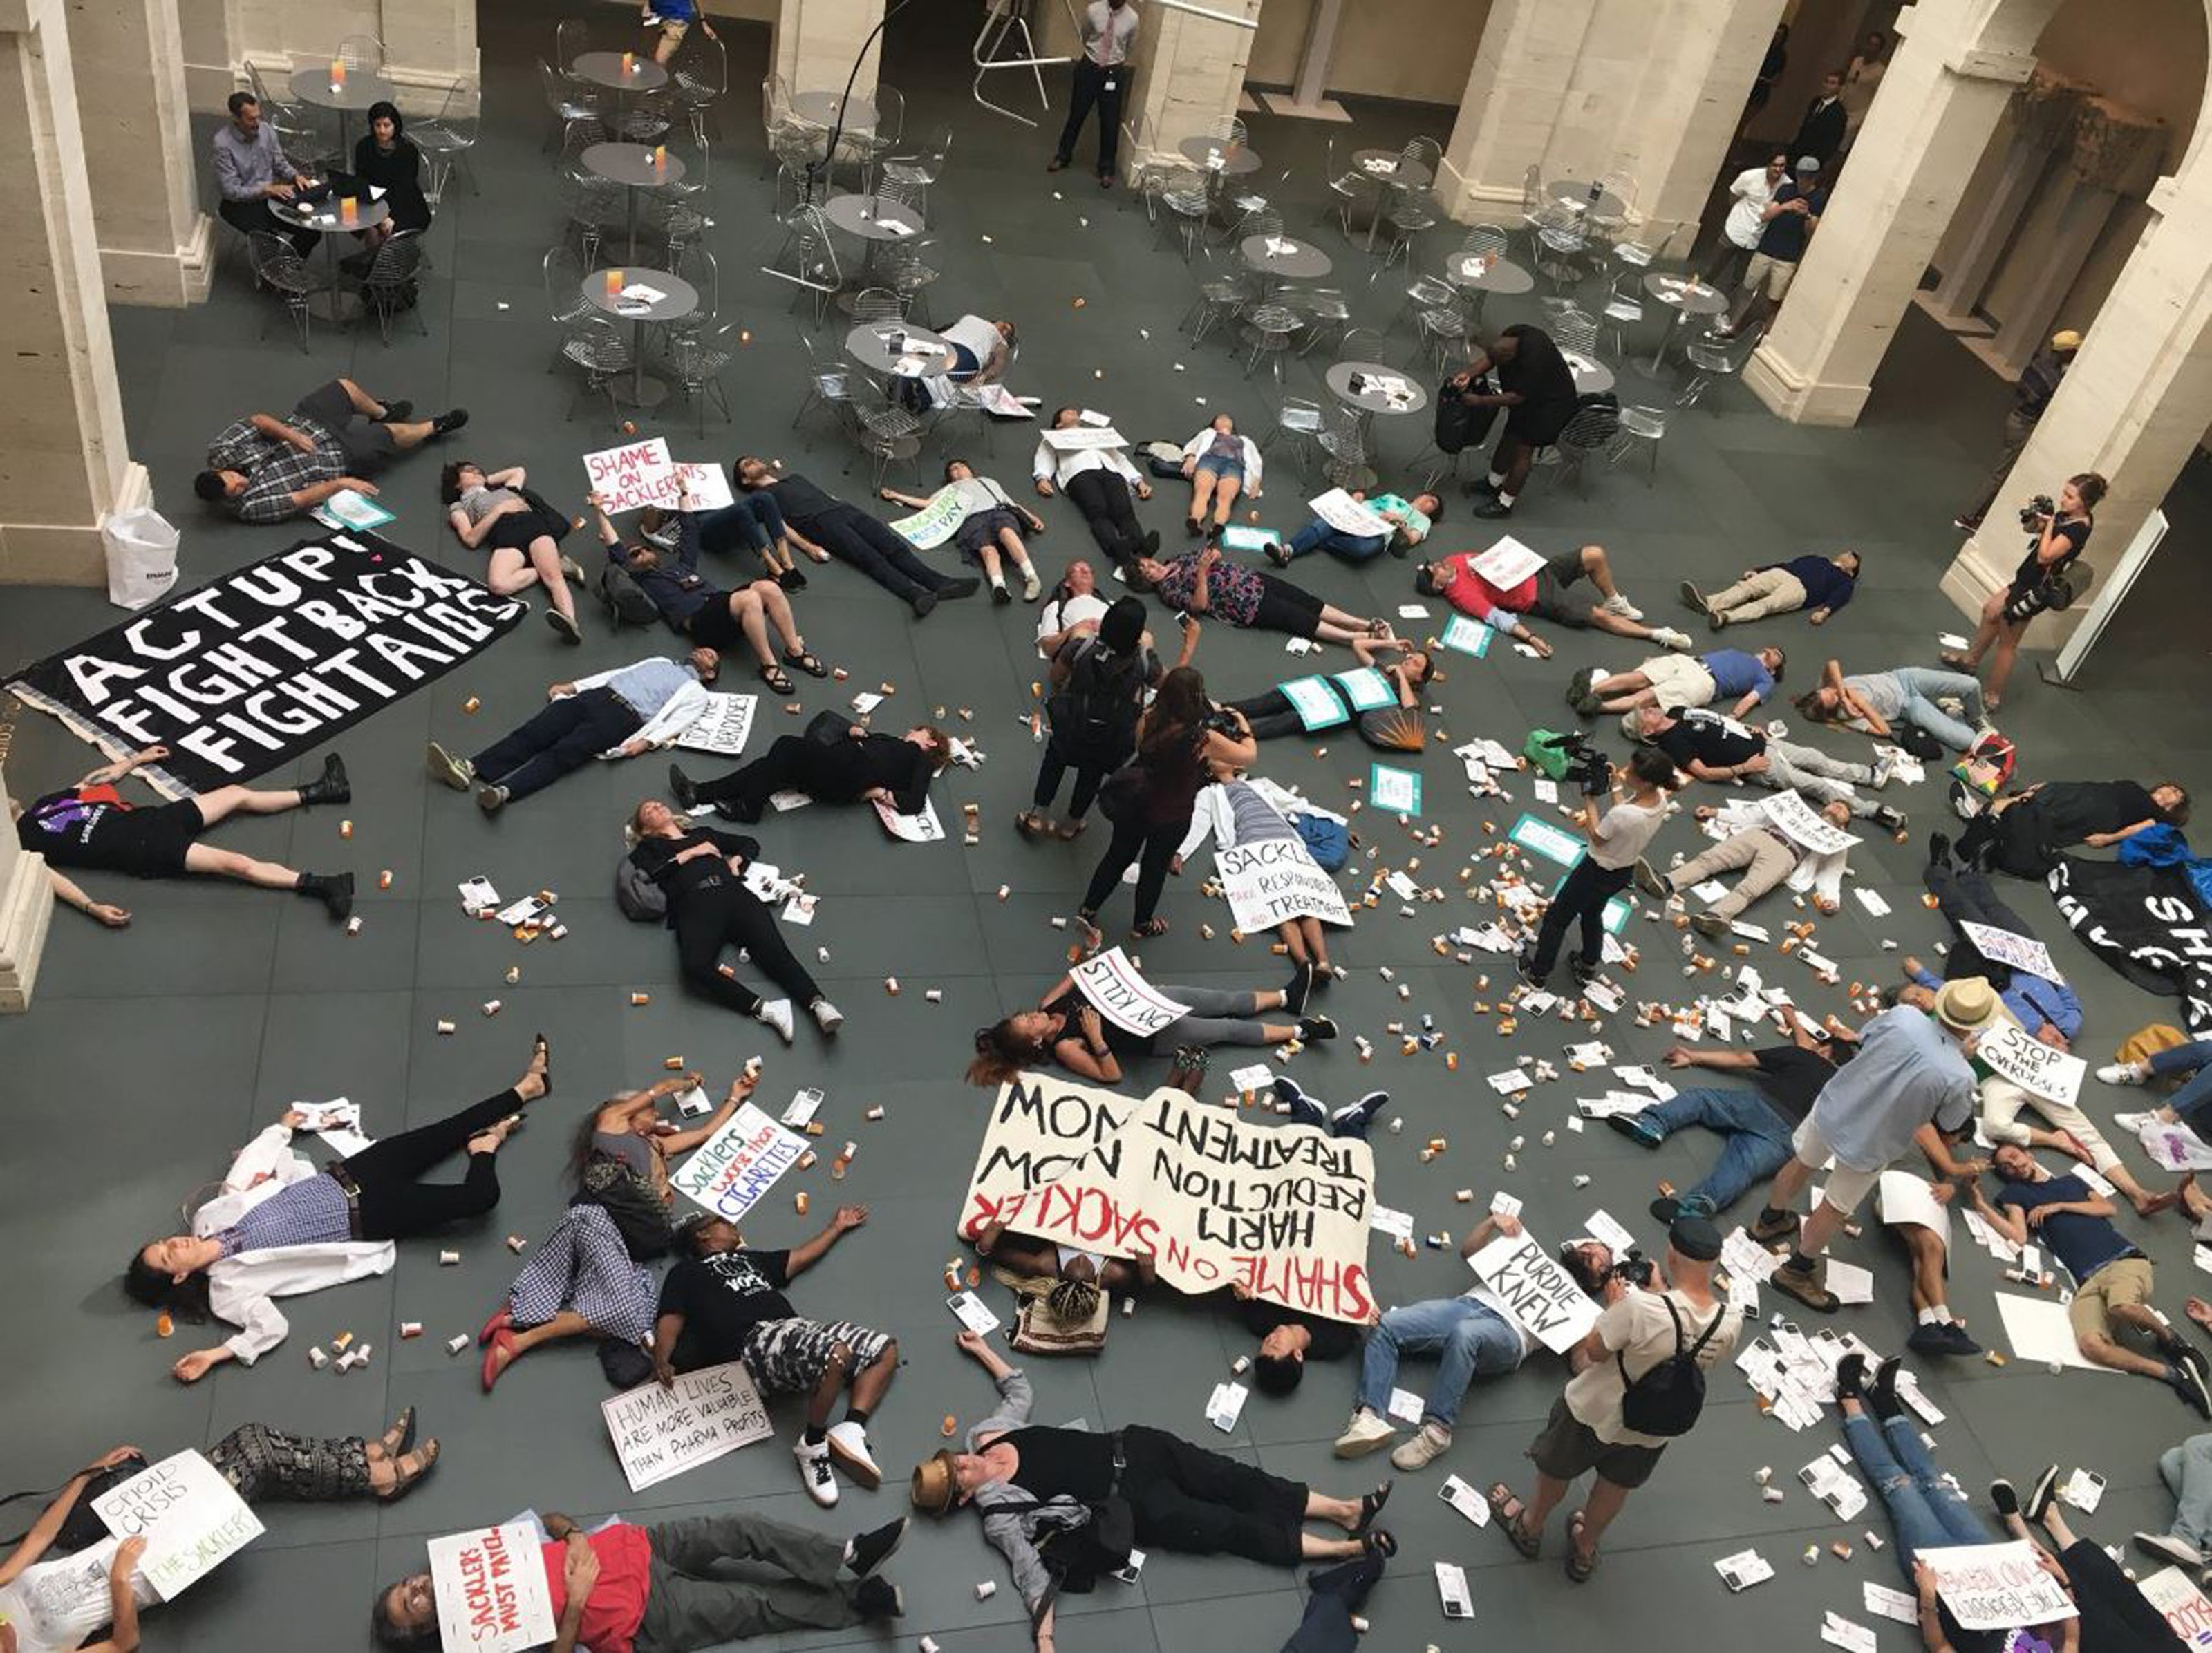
(191,1518)
(1316,703)
(707,484)
(1507,563)
(1996,1586)
(1790,813)
(1274,879)
(2040,1068)
(2187,1614)
(631,477)
(1082,437)
(1214,1197)
(1124,997)
(1465,635)
(1348,515)
(733,1168)
(1366,688)
(934,524)
(2004,946)
(724,727)
(923,827)
(659,1433)
(1537,1291)
(491,1590)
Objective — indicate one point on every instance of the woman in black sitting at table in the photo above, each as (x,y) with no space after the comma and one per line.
(386,159)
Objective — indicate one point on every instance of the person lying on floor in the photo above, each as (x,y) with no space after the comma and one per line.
(497,509)
(1552,593)
(1220,463)
(1200,583)
(623,713)
(2024,832)
(1823,585)
(88,827)
(261,468)
(894,770)
(1409,669)
(2186,1064)
(1411,522)
(1739,678)
(717,619)
(722,1302)
(1876,702)
(1236,812)
(1064,1028)
(825,528)
(1707,746)
(1768,857)
(991,529)
(1098,481)
(280,1228)
(1081,1277)
(1072,610)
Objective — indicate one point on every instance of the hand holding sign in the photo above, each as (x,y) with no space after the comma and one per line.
(1790,812)
(2043,1069)
(1123,996)
(1539,1293)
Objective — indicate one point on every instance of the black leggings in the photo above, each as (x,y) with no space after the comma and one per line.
(395,1205)
(1186,1497)
(871,546)
(730,915)
(1584,896)
(1053,765)
(1105,500)
(1151,848)
(1271,715)
(1287,607)
(2116,1616)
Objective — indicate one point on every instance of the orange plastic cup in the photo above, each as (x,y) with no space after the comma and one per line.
(630,62)
(337,72)
(614,281)
(660,157)
(348,209)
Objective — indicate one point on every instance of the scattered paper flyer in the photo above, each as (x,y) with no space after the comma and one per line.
(1839,1631)
(1225,1405)
(1452,1588)
(973,1313)
(1405,1407)
(1465,1499)
(1742,1570)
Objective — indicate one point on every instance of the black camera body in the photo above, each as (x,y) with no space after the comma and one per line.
(2033,513)
(1587,766)
(1634,1270)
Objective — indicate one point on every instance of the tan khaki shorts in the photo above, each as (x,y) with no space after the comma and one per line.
(1678,681)
(1845,1189)
(2120,1284)
(673,31)
(1773,276)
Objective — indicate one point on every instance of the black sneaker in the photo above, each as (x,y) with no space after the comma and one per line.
(2188,1382)
(1889,815)
(1311,1028)
(1881,1394)
(397,413)
(1481,487)
(681,787)
(1647,880)
(966,585)
(871,1549)
(1631,1126)
(1151,542)
(1524,963)
(879,1598)
(1694,597)
(1666,1207)
(1939,849)
(1492,509)
(1300,989)
(2040,1494)
(1581,969)
(1850,1375)
(2002,1497)
(331,786)
(449,421)
(921,602)
(1578,686)
(1000,597)
(792,580)
(1955,1340)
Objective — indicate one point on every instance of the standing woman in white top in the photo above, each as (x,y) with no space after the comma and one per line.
(1617,841)
(1219,463)
(1102,77)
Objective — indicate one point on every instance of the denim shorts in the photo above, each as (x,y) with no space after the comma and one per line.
(1227,470)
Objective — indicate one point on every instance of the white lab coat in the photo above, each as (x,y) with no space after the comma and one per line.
(241,1289)
(1821,875)
(682,710)
(1212,814)
(1199,443)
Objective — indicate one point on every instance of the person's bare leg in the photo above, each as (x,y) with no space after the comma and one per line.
(1927,1255)
(1018,1252)
(1224,500)
(363,403)
(745,608)
(412,435)
(1819,1227)
(1604,620)
(988,554)
(2106,1351)
(1548,1494)
(2054,1523)
(1642,697)
(1599,1509)
(209,861)
(566,1323)
(1618,682)
(825,1397)
(1598,570)
(776,606)
(509,571)
(2146,1204)
(2007,646)
(545,562)
(1201,494)
(1357,626)
(226,800)
(1789,1183)
(1017,551)
(872,1379)
(1292,936)
(1985,628)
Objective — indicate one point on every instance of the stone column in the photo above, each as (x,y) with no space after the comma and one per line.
(210,63)
(1190,76)
(2042,115)
(157,246)
(816,41)
(1515,93)
(26,908)
(2132,408)
(1939,103)
(65,464)
(427,44)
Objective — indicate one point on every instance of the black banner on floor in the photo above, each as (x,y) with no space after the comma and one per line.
(2147,923)
(244,675)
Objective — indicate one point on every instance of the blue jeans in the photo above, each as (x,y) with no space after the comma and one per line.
(2187,1471)
(1926,1514)
(2193,1101)
(1318,535)
(1923,685)
(754,521)
(1758,1139)
(1471,1339)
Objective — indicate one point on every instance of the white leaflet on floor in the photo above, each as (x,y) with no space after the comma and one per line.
(2039,1331)
(1605,995)
(1405,1407)
(1892,1604)
(1399,1224)
(1850,1282)
(788,799)
(1546,789)
(692,1100)
(2084,1489)
(1909,1391)
(1452,1588)
(1750,932)
(1502,1204)
(1872,901)
(1257,1076)
(1512,1080)
(477,896)
(1465,1499)
(1742,1570)
(1839,1631)
(1225,1404)
(1412,611)
(800,910)
(1600,1225)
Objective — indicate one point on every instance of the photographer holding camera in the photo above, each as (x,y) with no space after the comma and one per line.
(1617,839)
(2042,581)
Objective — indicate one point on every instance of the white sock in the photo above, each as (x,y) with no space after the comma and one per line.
(1931,1316)
(998,582)
(1504,497)
(1943,1313)
(848,1554)
(1497,479)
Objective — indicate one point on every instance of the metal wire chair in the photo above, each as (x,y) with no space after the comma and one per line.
(1410,213)
(812,253)
(1224,288)
(702,75)
(1183,190)
(361,52)
(1343,444)
(1299,422)
(447,137)
(278,267)
(1711,358)
(571,40)
(1590,431)
(566,103)
(1624,309)
(875,305)
(884,430)
(906,266)
(921,167)
(830,383)
(391,283)
(1575,330)
(601,349)
(1639,426)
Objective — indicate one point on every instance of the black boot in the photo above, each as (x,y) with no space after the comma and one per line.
(333,890)
(681,787)
(331,786)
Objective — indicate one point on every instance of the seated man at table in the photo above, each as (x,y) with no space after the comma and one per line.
(251,170)
(263,469)
(824,527)
(1536,388)
(1740,679)
(1098,483)
(1549,593)
(1410,521)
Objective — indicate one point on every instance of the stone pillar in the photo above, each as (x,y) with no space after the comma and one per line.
(427,44)
(1309,98)
(26,908)
(65,463)
(1190,77)
(1515,93)
(210,63)
(2042,115)
(816,41)
(2132,408)
(1938,105)
(157,246)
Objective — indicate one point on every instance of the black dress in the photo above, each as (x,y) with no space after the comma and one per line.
(398,172)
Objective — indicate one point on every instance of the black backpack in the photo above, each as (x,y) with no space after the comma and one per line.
(1667,1399)
(626,601)
(1094,716)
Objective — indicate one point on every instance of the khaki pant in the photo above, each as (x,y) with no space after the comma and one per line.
(1770,275)
(1769,592)
(1766,860)
(2001,1101)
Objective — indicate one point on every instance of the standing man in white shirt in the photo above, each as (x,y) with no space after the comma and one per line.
(1749,195)
(1102,76)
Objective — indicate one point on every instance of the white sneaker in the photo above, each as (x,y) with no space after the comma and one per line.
(849,1445)
(1668,637)
(814,1470)
(1030,585)
(2123,1073)
(1428,1443)
(1363,1434)
(828,1017)
(777,1014)
(1884,766)
(1618,604)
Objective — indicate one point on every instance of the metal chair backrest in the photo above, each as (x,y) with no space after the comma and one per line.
(563,273)
(572,38)
(1229,131)
(901,189)
(276,262)
(362,51)
(262,95)
(1486,241)
(1423,152)
(460,112)
(698,158)
(1575,330)
(397,261)
(815,250)
(703,68)
(1261,220)
(1300,413)
(878,304)
(698,266)
(1591,428)
(890,118)
(562,95)
(1363,344)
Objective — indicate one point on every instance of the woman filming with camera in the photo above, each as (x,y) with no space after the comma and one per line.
(1617,839)
(2041,581)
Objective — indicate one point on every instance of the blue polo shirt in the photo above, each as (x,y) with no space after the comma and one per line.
(2083,1244)
(1737,673)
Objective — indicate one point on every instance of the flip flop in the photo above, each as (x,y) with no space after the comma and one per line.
(1506,1504)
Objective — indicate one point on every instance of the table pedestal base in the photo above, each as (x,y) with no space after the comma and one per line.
(639,390)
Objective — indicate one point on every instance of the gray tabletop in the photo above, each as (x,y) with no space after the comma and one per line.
(1280,255)
(605,69)
(1686,293)
(325,215)
(632,164)
(361,88)
(923,353)
(1369,396)
(1591,376)
(820,109)
(1202,151)
(871,219)
(1496,274)
(679,297)
(1387,166)
(1575,193)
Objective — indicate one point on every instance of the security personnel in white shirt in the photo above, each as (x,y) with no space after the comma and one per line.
(1102,76)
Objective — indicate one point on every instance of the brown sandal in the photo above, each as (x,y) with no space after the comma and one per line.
(1031,824)
(1580,1567)
(410,1469)
(1068,830)
(1506,1504)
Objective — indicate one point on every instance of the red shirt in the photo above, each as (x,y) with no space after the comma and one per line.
(1471,594)
(616,1604)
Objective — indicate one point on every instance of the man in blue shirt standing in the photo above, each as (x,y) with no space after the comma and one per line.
(1790,217)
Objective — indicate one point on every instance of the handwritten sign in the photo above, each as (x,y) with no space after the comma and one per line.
(1507,563)
(2187,1614)
(2040,1068)
(1790,813)
(190,1518)
(1348,515)
(707,484)
(1996,1586)
(659,1433)
(724,727)
(1544,837)
(1392,789)
(1537,1291)
(1275,879)
(1316,703)
(1464,635)
(1083,438)
(1125,998)
(934,524)
(2004,946)
(631,477)
(921,827)
(739,1163)
(1367,690)
(491,1590)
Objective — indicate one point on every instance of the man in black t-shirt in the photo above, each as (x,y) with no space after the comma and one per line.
(1288,1339)
(723,1302)
(1707,744)
(1755,1127)
(1536,387)
(824,527)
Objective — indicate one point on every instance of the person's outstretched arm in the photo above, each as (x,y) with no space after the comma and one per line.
(843,1222)
(69,894)
(108,773)
(39,1539)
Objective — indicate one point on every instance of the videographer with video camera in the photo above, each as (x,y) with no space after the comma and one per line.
(1617,840)
(2042,581)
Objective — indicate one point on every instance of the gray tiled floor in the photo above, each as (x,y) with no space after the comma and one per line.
(151,1054)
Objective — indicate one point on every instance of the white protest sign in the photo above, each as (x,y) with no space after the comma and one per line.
(1997,1586)
(1464,635)
(191,1518)
(2004,947)
(708,485)
(1316,703)
(1274,879)
(934,524)
(1507,563)
(1367,690)
(2043,1070)
(492,1593)
(1537,1291)
(1906,1202)
(724,727)
(2187,1614)
(1082,437)
(1348,515)
(1125,998)
(739,1163)
(1790,812)
(659,1433)
(629,478)
(921,827)
(1395,790)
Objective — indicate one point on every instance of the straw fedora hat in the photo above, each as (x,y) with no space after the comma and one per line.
(1967,1005)
(935,1487)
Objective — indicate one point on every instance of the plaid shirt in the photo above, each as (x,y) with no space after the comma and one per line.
(311,1212)
(275,470)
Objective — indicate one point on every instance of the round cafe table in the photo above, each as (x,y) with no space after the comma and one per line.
(632,166)
(1386,170)
(1368,396)
(677,300)
(349,97)
(326,217)
(1211,155)
(922,352)
(1687,296)
(1482,275)
(1575,194)
(820,109)
(1279,257)
(605,69)
(873,220)
(1591,375)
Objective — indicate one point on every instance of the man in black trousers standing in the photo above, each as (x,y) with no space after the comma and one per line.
(1102,75)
